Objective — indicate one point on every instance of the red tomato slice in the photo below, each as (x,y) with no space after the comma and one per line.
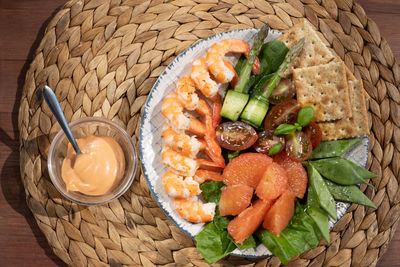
(285,112)
(283,91)
(298,146)
(266,140)
(314,132)
(235,135)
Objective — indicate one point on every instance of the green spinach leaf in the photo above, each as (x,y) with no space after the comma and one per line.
(319,216)
(336,148)
(271,56)
(300,235)
(213,243)
(211,191)
(349,193)
(342,171)
(322,194)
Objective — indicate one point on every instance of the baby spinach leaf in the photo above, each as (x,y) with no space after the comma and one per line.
(249,242)
(336,148)
(322,194)
(319,216)
(213,243)
(349,193)
(232,155)
(272,55)
(221,222)
(300,235)
(342,171)
(211,191)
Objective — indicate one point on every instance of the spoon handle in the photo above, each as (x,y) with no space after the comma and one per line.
(55,108)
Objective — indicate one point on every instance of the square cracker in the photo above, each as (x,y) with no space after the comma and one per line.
(314,52)
(325,88)
(355,126)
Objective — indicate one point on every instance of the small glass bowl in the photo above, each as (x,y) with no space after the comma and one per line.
(81,128)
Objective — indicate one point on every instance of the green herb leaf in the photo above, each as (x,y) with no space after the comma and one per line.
(232,155)
(211,191)
(213,243)
(305,115)
(319,216)
(342,171)
(300,235)
(271,56)
(322,194)
(275,149)
(349,193)
(221,222)
(336,148)
(285,129)
(249,242)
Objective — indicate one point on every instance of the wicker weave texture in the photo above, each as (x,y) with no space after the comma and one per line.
(103,56)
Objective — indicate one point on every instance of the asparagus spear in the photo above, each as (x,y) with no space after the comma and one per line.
(257,107)
(235,100)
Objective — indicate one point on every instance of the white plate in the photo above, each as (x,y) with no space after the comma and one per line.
(150,139)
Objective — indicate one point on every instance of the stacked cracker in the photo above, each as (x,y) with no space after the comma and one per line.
(323,81)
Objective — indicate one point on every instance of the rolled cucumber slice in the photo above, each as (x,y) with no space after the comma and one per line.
(234,103)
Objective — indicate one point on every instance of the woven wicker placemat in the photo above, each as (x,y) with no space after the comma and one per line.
(103,56)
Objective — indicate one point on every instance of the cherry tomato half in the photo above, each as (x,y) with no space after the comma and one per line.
(235,135)
(283,91)
(314,132)
(285,112)
(266,140)
(298,146)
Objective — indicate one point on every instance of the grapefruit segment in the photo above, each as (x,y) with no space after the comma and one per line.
(296,174)
(247,222)
(280,214)
(273,182)
(246,168)
(234,199)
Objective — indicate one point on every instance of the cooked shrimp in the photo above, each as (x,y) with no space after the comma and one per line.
(187,145)
(185,88)
(223,70)
(204,175)
(177,186)
(207,86)
(172,109)
(202,79)
(193,210)
(183,165)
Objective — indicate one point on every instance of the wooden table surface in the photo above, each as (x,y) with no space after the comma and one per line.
(22,24)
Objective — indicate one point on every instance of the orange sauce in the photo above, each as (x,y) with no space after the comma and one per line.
(100,166)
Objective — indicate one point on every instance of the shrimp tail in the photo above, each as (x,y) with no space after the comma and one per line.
(216,110)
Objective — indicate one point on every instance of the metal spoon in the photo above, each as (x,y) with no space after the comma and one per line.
(54,106)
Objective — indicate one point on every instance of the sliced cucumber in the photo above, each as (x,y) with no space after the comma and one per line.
(234,103)
(255,111)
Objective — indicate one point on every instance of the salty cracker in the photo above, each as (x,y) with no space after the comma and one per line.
(325,88)
(355,126)
(314,52)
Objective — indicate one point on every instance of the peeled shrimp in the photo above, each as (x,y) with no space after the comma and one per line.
(207,86)
(204,175)
(193,210)
(223,70)
(183,165)
(172,109)
(177,186)
(184,144)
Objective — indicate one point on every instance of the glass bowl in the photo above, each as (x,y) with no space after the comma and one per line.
(81,128)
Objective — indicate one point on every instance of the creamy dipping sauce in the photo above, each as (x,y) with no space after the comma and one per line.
(100,166)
